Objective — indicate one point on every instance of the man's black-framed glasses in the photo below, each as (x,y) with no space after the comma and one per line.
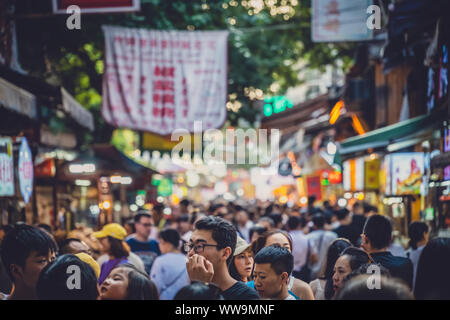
(198,247)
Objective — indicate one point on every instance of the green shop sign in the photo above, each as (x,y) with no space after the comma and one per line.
(276,104)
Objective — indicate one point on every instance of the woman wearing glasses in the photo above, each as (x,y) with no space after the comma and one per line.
(169,270)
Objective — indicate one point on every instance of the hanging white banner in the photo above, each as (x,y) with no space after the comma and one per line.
(159,81)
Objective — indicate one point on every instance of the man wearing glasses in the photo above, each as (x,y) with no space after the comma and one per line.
(147,249)
(210,250)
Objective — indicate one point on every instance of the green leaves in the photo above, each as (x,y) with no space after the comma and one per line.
(265,44)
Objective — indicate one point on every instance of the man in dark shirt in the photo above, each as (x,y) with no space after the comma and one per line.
(210,250)
(376,238)
(147,249)
(346,229)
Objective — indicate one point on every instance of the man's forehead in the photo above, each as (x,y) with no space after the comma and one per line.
(263,267)
(201,235)
(37,254)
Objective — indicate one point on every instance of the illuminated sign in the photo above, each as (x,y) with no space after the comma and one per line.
(276,104)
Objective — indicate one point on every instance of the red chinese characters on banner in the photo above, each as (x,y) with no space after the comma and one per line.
(163,92)
(160,81)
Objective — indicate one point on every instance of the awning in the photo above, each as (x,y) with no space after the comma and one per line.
(76,110)
(30,91)
(17,99)
(110,160)
(404,131)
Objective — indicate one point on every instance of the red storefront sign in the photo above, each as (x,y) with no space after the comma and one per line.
(45,169)
(314,187)
(97,6)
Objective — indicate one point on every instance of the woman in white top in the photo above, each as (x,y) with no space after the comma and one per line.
(322,287)
(169,271)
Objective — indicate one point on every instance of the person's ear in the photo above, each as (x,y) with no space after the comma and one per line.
(16,271)
(285,277)
(226,253)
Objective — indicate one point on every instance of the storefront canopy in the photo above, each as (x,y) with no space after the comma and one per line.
(109,161)
(17,99)
(22,93)
(404,134)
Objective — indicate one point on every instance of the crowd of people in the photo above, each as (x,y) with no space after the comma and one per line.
(227,251)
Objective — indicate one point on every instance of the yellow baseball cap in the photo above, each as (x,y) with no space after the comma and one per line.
(114,230)
(90,261)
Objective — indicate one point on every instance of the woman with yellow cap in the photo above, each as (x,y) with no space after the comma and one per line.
(111,238)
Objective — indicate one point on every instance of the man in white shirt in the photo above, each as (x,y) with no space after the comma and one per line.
(243,224)
(299,243)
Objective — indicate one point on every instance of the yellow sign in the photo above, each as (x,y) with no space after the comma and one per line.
(152,141)
(372,174)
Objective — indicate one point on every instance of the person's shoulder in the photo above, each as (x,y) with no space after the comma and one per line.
(131,240)
(240,291)
(401,260)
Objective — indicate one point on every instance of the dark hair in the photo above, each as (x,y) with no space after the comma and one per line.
(258,229)
(45,227)
(319,220)
(293,222)
(131,223)
(433,277)
(140,214)
(140,287)
(260,243)
(117,248)
(280,259)
(378,229)
(64,246)
(222,231)
(416,232)
(55,277)
(20,241)
(357,257)
(356,205)
(170,235)
(341,214)
(334,251)
(390,289)
(215,207)
(199,291)
(183,218)
(311,200)
(277,218)
(184,202)
(159,208)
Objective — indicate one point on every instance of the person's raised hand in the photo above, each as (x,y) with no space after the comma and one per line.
(199,268)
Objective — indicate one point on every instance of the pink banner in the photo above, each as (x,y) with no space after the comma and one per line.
(159,81)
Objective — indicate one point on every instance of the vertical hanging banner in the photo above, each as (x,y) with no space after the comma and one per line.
(159,81)
(25,170)
(340,20)
(6,167)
